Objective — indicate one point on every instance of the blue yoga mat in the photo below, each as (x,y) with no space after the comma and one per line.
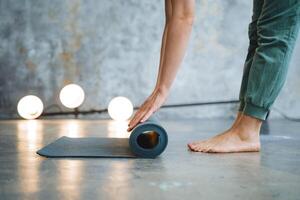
(147,140)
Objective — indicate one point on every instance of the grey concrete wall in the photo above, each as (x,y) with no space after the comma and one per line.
(112,48)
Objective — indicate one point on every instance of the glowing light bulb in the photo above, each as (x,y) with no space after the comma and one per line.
(120,108)
(71,96)
(30,107)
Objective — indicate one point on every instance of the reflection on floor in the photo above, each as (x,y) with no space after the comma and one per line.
(274,173)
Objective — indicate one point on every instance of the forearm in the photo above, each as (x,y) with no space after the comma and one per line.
(168,15)
(176,36)
(162,52)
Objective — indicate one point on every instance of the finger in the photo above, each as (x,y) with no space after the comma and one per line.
(147,115)
(136,120)
(141,109)
(135,116)
(139,117)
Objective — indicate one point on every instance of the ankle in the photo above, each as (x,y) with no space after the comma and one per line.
(250,123)
(248,128)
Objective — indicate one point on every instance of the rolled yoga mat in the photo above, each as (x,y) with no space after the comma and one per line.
(147,140)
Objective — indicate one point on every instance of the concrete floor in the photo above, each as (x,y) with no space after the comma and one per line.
(274,173)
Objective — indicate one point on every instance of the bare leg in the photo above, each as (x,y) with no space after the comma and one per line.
(242,137)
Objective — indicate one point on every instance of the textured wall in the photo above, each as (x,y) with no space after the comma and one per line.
(112,48)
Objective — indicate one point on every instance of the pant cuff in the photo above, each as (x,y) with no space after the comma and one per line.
(242,106)
(255,111)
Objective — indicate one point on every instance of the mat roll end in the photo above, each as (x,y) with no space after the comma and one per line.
(148,139)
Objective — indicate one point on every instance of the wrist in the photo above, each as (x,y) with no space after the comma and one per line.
(162,90)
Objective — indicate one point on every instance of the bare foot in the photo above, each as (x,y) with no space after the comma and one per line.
(242,137)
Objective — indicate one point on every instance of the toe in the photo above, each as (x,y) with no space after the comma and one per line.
(196,149)
(203,147)
(190,146)
(199,148)
(193,143)
(193,146)
(206,148)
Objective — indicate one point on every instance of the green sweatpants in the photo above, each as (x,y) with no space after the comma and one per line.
(272,33)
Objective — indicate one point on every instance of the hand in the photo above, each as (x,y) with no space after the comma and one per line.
(151,105)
